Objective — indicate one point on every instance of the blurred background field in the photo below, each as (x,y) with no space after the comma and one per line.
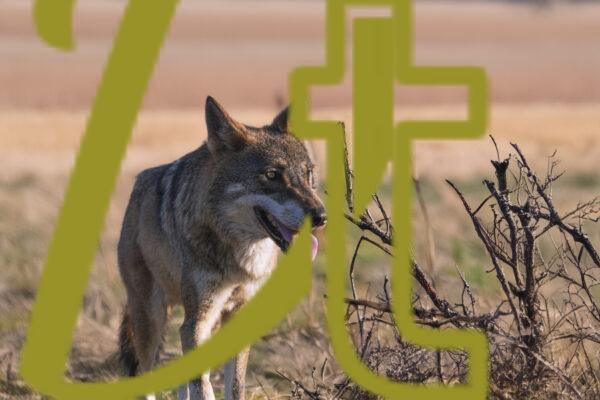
(542,62)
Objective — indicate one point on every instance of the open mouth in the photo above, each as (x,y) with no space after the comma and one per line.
(279,233)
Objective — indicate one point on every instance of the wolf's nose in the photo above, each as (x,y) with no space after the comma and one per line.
(319,218)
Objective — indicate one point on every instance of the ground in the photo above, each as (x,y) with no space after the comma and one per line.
(542,65)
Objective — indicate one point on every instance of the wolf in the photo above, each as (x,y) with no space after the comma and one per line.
(204,231)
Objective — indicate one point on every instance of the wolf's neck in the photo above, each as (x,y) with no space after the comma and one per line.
(258,258)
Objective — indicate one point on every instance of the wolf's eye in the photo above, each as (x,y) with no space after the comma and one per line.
(271,174)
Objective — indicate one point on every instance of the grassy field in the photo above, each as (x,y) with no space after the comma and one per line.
(546,96)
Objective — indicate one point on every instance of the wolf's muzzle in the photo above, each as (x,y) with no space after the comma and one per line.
(318,217)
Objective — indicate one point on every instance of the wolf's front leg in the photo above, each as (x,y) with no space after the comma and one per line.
(202,303)
(235,376)
(193,333)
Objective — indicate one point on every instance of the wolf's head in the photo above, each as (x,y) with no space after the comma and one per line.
(264,182)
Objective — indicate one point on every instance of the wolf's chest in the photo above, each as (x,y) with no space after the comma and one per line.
(258,259)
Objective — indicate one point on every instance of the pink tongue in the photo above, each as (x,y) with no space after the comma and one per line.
(314,245)
(286,233)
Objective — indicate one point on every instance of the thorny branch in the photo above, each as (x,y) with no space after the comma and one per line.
(546,269)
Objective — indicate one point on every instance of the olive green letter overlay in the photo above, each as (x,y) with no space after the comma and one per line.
(382,55)
(74,244)
(384,46)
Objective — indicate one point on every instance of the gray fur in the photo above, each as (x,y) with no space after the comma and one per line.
(191,235)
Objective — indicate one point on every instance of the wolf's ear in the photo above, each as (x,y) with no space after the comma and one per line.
(224,133)
(280,123)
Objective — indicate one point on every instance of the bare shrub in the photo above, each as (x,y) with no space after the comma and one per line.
(543,326)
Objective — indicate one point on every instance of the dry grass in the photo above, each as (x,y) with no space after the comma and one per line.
(36,172)
(543,70)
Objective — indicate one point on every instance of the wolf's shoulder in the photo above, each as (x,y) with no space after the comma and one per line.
(191,160)
(149,177)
